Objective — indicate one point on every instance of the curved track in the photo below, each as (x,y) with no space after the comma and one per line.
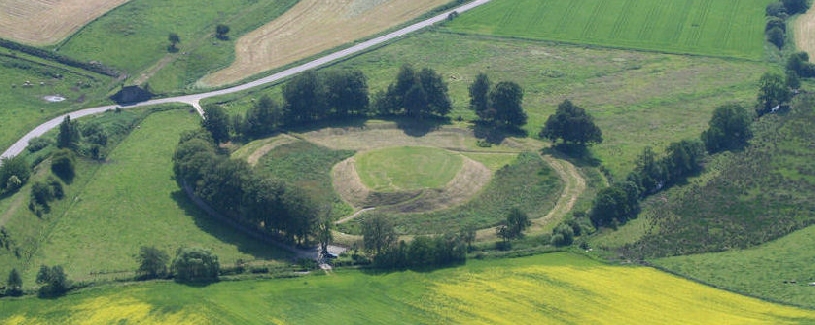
(195,99)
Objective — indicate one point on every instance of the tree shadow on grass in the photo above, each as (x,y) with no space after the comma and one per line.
(579,155)
(339,122)
(492,134)
(227,233)
(420,127)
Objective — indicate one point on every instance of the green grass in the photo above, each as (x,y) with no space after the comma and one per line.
(407,168)
(733,28)
(24,107)
(527,183)
(558,288)
(133,37)
(637,98)
(133,201)
(752,197)
(309,166)
(760,271)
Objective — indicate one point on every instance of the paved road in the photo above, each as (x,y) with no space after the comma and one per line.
(195,99)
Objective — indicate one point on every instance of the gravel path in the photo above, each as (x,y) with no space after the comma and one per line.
(195,99)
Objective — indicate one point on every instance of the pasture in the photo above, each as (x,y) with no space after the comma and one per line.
(557,288)
(407,168)
(47,22)
(133,201)
(133,38)
(731,28)
(311,27)
(26,105)
(637,98)
(779,270)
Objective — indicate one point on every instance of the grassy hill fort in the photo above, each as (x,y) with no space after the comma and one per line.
(410,162)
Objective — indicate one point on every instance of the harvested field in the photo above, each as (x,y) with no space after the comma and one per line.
(42,22)
(313,26)
(804,31)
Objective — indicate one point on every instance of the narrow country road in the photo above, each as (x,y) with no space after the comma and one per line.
(195,99)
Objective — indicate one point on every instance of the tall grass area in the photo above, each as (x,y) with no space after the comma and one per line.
(754,196)
(733,28)
(133,37)
(308,166)
(558,288)
(637,98)
(24,106)
(131,201)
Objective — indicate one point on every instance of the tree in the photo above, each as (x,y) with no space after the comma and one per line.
(53,280)
(506,99)
(479,97)
(68,136)
(216,121)
(41,193)
(613,205)
(347,92)
(174,40)
(776,9)
(378,233)
(728,129)
(221,30)
(562,235)
(467,235)
(438,100)
(14,285)
(517,221)
(776,36)
(773,91)
(262,118)
(650,173)
(683,158)
(63,165)
(152,263)
(14,172)
(572,124)
(324,235)
(305,98)
(795,6)
(195,265)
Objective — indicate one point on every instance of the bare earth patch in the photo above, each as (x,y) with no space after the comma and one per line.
(313,26)
(805,32)
(43,22)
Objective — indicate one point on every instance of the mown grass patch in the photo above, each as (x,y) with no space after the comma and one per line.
(131,201)
(26,81)
(527,183)
(407,168)
(558,288)
(309,166)
(133,37)
(733,28)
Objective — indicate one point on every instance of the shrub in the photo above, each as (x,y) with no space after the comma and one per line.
(62,164)
(54,281)
(195,265)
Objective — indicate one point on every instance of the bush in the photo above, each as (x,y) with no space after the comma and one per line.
(195,265)
(562,235)
(54,281)
(776,36)
(14,172)
(62,164)
(38,144)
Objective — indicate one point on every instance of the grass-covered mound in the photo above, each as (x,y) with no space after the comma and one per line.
(719,28)
(407,168)
(556,288)
(747,198)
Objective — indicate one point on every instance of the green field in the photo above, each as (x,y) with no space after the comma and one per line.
(133,201)
(24,107)
(765,271)
(556,288)
(133,37)
(733,28)
(407,168)
(637,98)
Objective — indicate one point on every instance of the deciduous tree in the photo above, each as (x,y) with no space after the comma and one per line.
(378,233)
(152,263)
(216,121)
(572,124)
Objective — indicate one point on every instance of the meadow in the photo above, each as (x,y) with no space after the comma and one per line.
(131,201)
(638,98)
(25,106)
(732,28)
(558,288)
(133,38)
(407,168)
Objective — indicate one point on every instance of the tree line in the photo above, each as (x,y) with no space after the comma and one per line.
(777,13)
(380,239)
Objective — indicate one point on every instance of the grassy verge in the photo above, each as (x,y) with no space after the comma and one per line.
(556,288)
